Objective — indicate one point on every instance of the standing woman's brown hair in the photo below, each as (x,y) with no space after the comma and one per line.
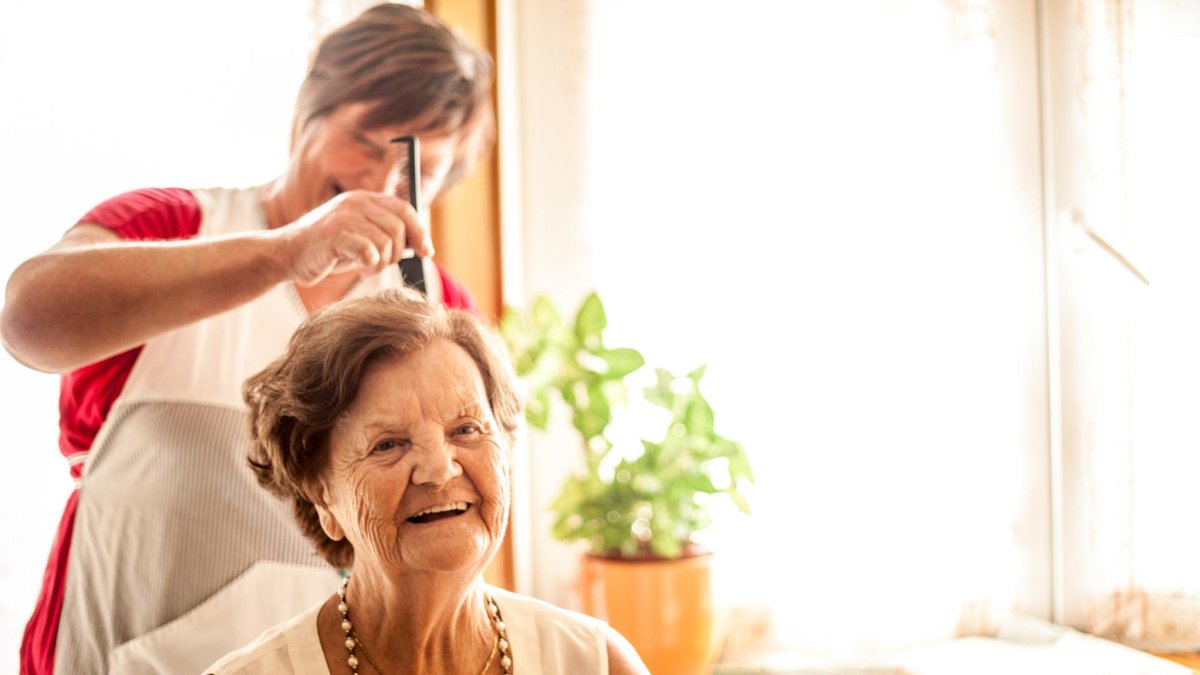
(412,68)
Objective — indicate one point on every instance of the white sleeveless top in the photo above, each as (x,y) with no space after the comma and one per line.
(543,639)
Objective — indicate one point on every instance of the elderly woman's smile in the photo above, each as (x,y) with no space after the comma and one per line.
(435,513)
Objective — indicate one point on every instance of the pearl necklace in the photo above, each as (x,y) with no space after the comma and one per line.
(501,641)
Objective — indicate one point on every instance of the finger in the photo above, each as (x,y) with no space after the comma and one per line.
(387,227)
(355,251)
(366,216)
(388,255)
(310,261)
(416,230)
(312,275)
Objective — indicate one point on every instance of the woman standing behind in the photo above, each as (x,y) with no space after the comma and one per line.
(160,302)
(388,426)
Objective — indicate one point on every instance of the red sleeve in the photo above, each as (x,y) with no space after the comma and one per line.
(454,294)
(149,214)
(87,394)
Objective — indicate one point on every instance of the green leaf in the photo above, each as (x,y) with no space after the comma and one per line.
(537,410)
(591,420)
(511,324)
(651,452)
(567,390)
(565,531)
(665,546)
(621,362)
(545,317)
(661,393)
(571,496)
(697,374)
(739,465)
(699,483)
(699,417)
(590,322)
(738,500)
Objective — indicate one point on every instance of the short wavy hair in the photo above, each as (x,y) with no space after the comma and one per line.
(295,402)
(412,68)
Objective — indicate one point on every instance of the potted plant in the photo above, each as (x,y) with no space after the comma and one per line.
(636,505)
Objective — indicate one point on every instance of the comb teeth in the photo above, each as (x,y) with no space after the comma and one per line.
(407,168)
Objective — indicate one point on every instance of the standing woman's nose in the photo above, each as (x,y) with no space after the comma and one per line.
(378,176)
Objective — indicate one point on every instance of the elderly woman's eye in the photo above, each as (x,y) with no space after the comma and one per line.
(387,446)
(466,429)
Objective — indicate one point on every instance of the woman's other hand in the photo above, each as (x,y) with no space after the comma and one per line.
(359,231)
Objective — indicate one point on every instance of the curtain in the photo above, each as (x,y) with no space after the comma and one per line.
(1124,186)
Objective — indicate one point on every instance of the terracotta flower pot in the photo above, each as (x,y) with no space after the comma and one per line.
(663,607)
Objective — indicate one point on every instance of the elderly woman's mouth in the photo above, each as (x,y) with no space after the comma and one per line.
(440,512)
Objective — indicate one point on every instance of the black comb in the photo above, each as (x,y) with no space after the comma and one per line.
(408,164)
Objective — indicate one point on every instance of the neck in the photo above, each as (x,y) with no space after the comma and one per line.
(434,624)
(286,199)
(274,197)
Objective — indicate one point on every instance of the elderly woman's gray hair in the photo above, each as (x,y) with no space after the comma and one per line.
(295,401)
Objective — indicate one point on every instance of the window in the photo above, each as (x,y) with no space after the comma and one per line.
(852,211)
(842,216)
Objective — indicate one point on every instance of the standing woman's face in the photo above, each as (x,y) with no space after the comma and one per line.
(337,154)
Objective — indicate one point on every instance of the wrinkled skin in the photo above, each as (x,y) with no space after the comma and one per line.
(419,434)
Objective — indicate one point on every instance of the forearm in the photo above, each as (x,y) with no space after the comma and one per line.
(73,306)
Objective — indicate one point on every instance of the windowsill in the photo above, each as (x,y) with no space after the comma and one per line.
(1024,645)
(1189,659)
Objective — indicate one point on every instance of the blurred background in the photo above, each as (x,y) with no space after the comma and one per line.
(939,256)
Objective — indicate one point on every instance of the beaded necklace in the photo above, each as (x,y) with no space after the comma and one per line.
(500,643)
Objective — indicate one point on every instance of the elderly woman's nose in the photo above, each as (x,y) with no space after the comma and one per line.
(435,463)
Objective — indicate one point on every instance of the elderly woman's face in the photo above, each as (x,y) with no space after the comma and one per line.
(418,472)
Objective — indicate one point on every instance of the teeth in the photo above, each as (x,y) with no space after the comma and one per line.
(453,506)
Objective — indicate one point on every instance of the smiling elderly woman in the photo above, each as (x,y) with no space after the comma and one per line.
(388,424)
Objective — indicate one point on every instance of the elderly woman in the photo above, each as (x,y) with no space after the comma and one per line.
(388,425)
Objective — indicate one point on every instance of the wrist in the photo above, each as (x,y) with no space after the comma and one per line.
(270,254)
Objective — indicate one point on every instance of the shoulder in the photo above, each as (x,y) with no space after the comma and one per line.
(565,641)
(149,213)
(543,612)
(623,659)
(290,648)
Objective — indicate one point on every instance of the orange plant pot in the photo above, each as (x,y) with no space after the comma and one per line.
(663,607)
